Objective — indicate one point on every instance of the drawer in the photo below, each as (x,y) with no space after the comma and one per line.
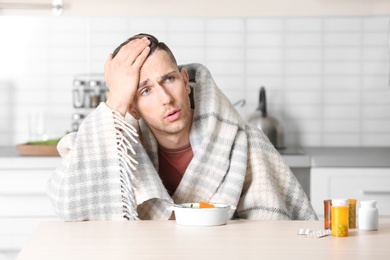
(26,205)
(23,193)
(357,183)
(23,181)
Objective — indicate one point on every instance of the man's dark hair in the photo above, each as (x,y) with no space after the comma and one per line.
(154,45)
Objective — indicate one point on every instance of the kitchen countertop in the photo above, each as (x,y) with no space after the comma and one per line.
(296,157)
(8,151)
(349,156)
(11,159)
(243,239)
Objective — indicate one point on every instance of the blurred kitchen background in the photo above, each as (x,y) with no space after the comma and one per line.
(326,76)
(324,66)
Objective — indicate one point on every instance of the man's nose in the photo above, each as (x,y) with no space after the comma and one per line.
(166,97)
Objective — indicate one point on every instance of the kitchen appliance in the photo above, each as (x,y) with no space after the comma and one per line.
(271,127)
(87,93)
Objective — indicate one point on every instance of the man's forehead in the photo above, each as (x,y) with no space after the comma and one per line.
(156,66)
(144,82)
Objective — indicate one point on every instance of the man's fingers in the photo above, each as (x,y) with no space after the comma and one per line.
(141,58)
(129,53)
(136,50)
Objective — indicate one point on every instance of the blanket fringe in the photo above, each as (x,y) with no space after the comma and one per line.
(124,131)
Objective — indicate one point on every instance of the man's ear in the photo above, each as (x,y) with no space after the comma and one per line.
(132,111)
(184,75)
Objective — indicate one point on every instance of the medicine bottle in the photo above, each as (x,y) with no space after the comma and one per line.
(339,214)
(368,215)
(352,213)
(327,215)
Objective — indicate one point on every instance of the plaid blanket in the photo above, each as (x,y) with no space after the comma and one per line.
(109,172)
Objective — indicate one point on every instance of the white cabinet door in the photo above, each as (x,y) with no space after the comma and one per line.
(23,193)
(23,204)
(356,183)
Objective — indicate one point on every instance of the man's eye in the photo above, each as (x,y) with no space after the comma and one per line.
(145,91)
(169,79)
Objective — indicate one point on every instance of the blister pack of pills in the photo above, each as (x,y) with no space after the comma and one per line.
(314,233)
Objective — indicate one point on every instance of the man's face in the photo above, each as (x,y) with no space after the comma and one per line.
(162,97)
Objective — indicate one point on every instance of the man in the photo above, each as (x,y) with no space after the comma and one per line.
(192,146)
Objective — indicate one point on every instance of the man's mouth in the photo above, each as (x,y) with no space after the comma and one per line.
(172,115)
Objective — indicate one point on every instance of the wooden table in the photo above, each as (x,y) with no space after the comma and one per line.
(239,239)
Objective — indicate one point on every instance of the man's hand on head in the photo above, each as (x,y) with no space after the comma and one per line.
(121,74)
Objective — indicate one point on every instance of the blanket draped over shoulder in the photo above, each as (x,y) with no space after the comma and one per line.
(109,172)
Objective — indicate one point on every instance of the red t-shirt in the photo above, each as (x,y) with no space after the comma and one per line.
(172,165)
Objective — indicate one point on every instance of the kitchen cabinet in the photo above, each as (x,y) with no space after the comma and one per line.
(23,200)
(371,183)
(362,173)
(299,163)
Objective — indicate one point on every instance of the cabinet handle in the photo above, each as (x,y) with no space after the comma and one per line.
(376,192)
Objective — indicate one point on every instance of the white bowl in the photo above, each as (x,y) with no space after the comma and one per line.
(195,216)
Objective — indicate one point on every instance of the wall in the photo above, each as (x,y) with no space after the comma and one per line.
(327,78)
